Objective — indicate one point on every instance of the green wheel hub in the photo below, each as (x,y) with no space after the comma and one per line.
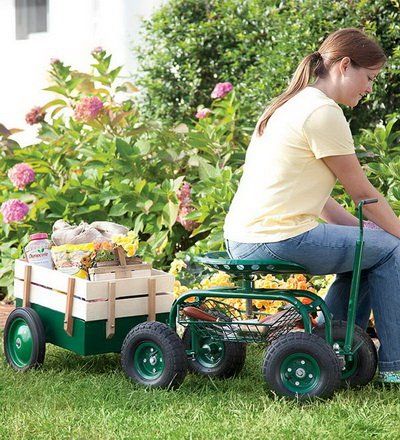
(148,360)
(210,353)
(300,373)
(350,367)
(20,343)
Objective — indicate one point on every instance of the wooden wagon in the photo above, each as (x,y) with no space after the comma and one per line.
(86,317)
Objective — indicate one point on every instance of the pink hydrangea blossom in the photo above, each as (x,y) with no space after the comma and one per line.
(88,108)
(185,207)
(35,116)
(21,175)
(221,90)
(203,113)
(183,194)
(14,210)
(189,225)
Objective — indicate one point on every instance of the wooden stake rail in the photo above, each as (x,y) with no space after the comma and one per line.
(151,306)
(26,302)
(110,327)
(68,323)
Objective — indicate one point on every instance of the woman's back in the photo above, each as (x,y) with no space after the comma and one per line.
(285,184)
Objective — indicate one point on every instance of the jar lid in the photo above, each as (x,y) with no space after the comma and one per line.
(38,236)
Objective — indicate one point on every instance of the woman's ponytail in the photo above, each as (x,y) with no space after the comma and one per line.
(300,80)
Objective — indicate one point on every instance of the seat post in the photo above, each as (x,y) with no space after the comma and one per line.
(248,284)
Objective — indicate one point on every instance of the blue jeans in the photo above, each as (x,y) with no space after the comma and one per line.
(329,249)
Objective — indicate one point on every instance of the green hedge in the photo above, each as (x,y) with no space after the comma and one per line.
(256,45)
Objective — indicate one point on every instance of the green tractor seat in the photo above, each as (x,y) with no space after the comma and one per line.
(221,261)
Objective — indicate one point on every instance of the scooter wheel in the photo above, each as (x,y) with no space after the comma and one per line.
(301,365)
(362,368)
(24,339)
(152,354)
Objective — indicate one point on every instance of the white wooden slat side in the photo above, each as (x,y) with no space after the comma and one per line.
(91,290)
(51,299)
(124,307)
(131,286)
(50,278)
(92,310)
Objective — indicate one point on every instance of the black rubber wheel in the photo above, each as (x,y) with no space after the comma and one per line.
(301,365)
(24,339)
(152,354)
(215,358)
(361,370)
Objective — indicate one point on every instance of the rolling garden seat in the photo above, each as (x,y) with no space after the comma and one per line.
(244,268)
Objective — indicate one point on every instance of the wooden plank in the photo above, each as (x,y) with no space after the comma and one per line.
(50,298)
(131,286)
(111,275)
(93,310)
(110,328)
(68,322)
(129,260)
(92,290)
(27,286)
(50,278)
(112,269)
(151,300)
(133,307)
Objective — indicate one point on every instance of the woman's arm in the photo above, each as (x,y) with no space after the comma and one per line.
(348,170)
(334,213)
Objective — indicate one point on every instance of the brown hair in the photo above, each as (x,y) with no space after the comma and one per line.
(348,42)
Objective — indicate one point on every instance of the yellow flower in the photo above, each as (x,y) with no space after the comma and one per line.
(219,279)
(130,250)
(177,266)
(128,242)
(179,289)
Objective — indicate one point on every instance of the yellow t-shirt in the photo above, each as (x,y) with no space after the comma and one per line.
(285,183)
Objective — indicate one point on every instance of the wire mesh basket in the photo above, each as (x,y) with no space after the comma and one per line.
(231,323)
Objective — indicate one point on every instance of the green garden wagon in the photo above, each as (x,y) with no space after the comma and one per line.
(86,317)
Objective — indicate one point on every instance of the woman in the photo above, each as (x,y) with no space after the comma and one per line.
(301,145)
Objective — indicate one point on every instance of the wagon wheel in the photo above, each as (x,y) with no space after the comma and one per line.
(152,354)
(215,358)
(301,365)
(24,339)
(362,368)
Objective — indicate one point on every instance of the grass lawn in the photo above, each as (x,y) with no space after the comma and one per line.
(73,397)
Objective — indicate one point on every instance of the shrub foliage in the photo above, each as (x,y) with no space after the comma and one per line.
(257,44)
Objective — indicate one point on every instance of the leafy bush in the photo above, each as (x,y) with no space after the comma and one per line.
(97,159)
(382,161)
(257,44)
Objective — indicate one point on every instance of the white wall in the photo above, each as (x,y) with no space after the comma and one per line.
(75,27)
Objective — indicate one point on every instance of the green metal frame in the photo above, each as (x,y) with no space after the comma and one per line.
(252,293)
(355,283)
(247,268)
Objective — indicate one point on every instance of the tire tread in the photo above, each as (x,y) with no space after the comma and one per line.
(172,347)
(303,341)
(230,367)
